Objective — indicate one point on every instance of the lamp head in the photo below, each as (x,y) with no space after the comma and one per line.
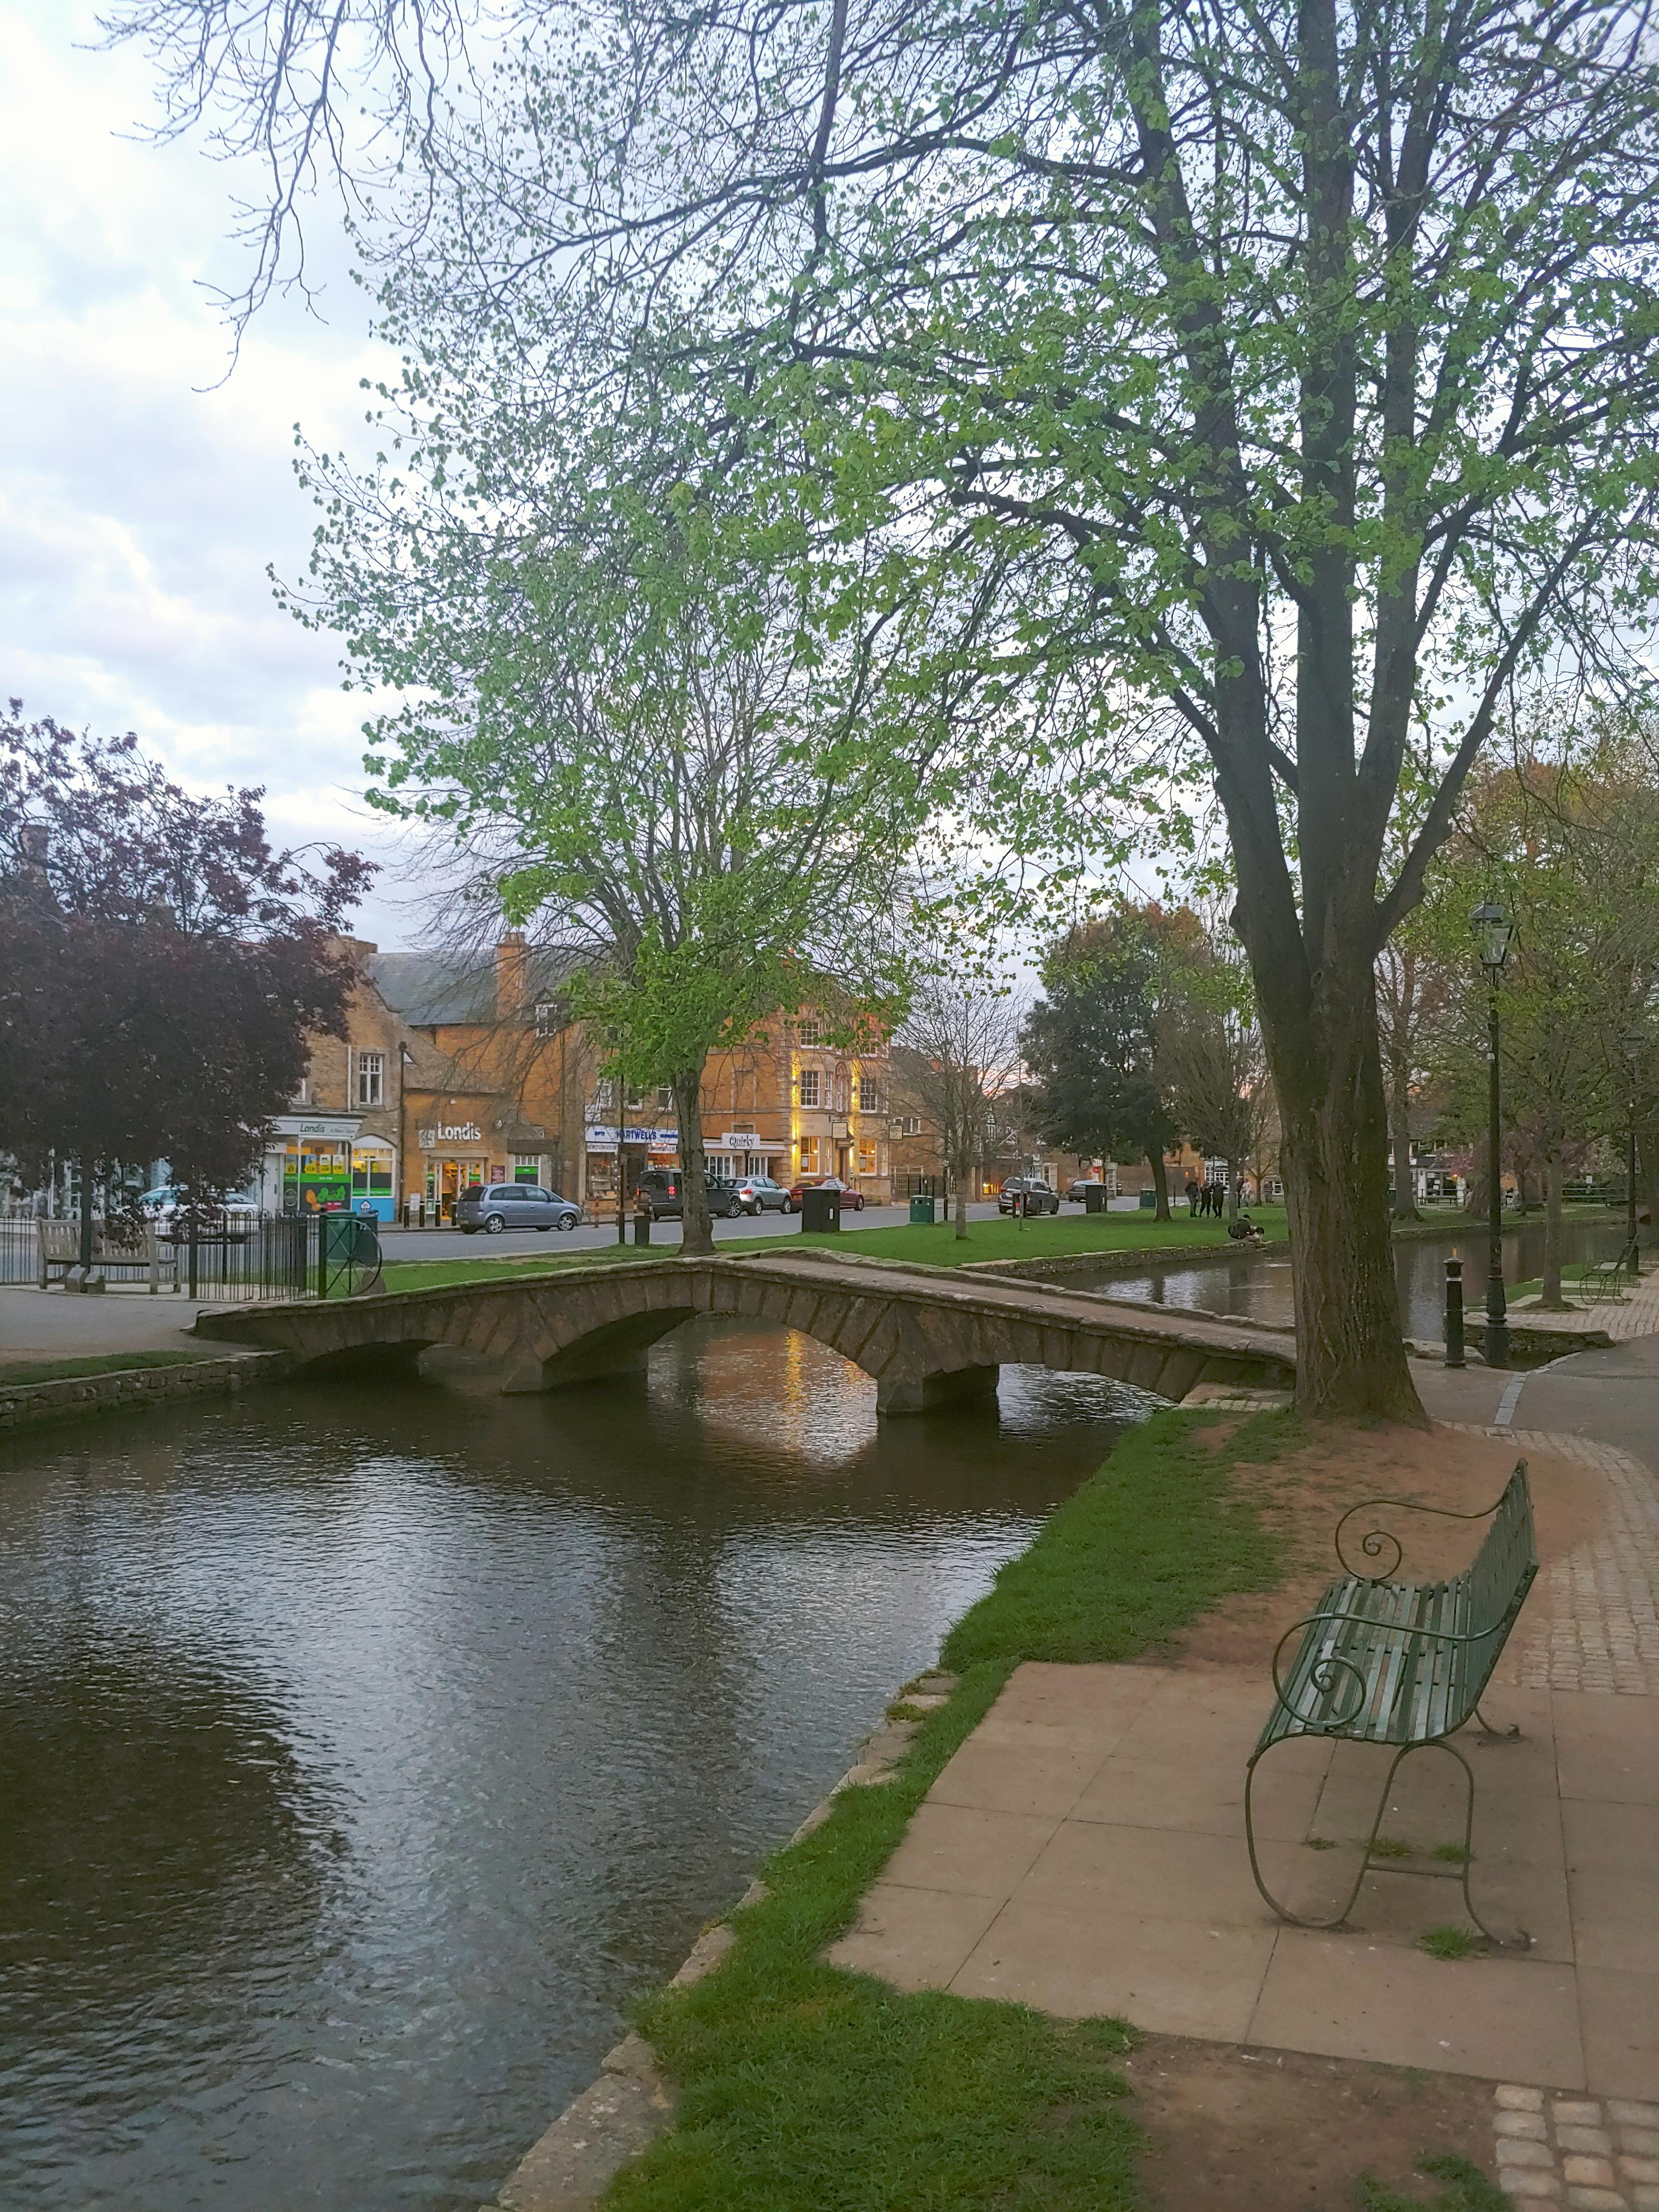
(1493,932)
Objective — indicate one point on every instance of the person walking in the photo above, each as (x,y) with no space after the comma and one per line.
(1191,1198)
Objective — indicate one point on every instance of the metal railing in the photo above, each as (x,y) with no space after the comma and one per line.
(318,1256)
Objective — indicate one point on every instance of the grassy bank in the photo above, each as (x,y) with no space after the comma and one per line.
(802,2086)
(1055,1236)
(14,1371)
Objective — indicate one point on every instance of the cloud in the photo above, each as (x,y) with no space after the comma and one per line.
(141,497)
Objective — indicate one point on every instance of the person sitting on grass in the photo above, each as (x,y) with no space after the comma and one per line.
(1244,1230)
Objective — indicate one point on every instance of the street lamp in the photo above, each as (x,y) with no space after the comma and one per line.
(1635,1043)
(1493,932)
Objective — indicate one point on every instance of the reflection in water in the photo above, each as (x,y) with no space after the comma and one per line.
(367,1749)
(1257,1287)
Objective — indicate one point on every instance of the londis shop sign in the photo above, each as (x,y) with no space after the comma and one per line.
(438,1134)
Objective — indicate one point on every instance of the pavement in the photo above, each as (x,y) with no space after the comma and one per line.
(56,1324)
(1083,1851)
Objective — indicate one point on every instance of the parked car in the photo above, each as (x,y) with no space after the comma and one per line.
(1039,1196)
(1077,1192)
(496,1206)
(852,1198)
(760,1195)
(234,1218)
(661,1193)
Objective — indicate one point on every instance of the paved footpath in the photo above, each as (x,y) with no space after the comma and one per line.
(1084,1850)
(56,1324)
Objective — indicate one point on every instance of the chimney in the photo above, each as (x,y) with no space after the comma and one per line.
(512,976)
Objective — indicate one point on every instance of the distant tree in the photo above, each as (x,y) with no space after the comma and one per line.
(1090,1046)
(1413,992)
(957,1061)
(1571,849)
(163,967)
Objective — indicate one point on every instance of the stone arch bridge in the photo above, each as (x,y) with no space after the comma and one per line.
(925,1335)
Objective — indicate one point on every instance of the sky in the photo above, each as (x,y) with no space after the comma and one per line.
(142,493)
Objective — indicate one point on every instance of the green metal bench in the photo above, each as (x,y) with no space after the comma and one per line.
(1403,1663)
(1604,1284)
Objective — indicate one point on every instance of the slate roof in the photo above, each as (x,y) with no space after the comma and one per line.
(427,989)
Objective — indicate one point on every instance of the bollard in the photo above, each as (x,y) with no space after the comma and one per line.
(642,1226)
(1454,1314)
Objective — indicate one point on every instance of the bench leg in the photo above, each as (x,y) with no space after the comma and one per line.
(1521,1940)
(1296,1919)
(1509,1735)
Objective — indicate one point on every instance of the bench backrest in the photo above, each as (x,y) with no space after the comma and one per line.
(1500,1575)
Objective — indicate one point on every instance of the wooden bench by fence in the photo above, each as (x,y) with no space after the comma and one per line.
(134,1250)
(1403,1663)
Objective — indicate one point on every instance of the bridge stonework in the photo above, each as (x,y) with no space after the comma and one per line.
(925,1335)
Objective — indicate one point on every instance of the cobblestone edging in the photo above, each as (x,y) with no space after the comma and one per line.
(121,1389)
(616,2118)
(1588,2153)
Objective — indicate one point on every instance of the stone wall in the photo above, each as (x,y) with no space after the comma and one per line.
(122,1388)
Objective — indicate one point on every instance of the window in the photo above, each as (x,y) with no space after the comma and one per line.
(909,1125)
(869,1094)
(808,1086)
(549,1017)
(371,1079)
(866,1159)
(302,1096)
(526,1167)
(605,1095)
(636,1099)
(664,1098)
(810,1032)
(809,1155)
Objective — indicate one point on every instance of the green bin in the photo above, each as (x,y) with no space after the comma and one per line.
(921,1213)
(1149,1201)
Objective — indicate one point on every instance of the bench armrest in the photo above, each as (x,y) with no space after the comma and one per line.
(1375,1542)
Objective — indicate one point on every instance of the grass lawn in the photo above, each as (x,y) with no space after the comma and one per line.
(803,2087)
(1055,1236)
(14,1371)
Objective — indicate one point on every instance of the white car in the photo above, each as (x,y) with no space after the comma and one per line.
(233,1217)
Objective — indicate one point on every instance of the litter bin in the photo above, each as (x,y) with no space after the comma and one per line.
(819,1210)
(1149,1201)
(921,1213)
(642,1226)
(1094,1198)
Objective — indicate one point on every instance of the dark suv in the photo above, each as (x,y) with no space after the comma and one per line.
(1038,1196)
(496,1206)
(661,1194)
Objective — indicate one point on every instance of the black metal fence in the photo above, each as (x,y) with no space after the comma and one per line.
(317,1256)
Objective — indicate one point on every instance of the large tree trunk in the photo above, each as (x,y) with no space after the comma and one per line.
(1647,1186)
(1351,1357)
(1160,1182)
(696,1229)
(965,1170)
(1552,1300)
(1399,1139)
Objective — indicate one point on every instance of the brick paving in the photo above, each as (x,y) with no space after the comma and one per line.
(1588,2153)
(1636,1315)
(1592,1621)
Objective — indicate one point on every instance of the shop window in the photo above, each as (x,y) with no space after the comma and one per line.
(371,1175)
(526,1167)
(371,1079)
(808,1086)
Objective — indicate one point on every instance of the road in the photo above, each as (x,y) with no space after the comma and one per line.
(403,1244)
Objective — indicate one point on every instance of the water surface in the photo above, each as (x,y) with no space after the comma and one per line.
(366,1748)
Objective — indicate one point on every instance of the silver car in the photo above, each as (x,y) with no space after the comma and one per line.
(497,1206)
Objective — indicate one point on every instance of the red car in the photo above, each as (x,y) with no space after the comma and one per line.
(852,1199)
